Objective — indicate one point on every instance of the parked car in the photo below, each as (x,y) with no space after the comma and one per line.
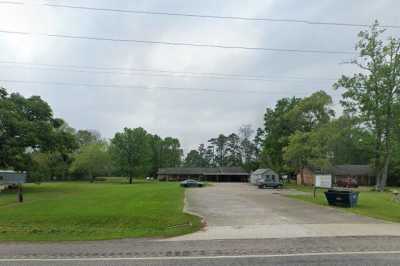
(191,183)
(347,182)
(269,182)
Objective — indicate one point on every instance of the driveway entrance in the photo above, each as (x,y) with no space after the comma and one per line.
(235,210)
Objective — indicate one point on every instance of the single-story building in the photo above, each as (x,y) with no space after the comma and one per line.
(308,177)
(262,174)
(217,174)
(363,174)
(8,178)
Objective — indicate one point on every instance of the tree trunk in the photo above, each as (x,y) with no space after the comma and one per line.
(384,176)
(91,177)
(130,180)
(302,175)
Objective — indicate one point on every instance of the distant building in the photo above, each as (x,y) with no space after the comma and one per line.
(308,176)
(363,174)
(263,174)
(217,174)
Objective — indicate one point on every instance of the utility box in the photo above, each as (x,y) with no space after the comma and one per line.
(9,178)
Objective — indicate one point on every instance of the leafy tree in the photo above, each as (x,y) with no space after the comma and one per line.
(278,127)
(156,151)
(165,153)
(234,151)
(298,151)
(92,160)
(41,169)
(197,158)
(219,149)
(309,145)
(350,143)
(193,159)
(374,94)
(249,148)
(171,155)
(86,137)
(26,126)
(131,152)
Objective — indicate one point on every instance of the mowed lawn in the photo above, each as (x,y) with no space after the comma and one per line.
(370,203)
(85,211)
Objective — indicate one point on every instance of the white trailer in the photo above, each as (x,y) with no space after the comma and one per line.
(263,175)
(9,178)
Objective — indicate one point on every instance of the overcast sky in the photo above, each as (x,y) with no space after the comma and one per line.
(193,116)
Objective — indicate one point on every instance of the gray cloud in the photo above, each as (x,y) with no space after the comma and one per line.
(192,116)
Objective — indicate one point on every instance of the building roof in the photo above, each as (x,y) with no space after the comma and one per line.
(353,170)
(202,171)
(263,171)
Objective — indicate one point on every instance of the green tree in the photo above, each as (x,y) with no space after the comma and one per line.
(218,148)
(165,153)
(350,143)
(374,93)
(27,126)
(309,145)
(172,152)
(275,136)
(86,137)
(131,152)
(193,159)
(93,160)
(248,147)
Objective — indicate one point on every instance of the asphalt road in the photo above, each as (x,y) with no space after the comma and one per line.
(297,251)
(303,259)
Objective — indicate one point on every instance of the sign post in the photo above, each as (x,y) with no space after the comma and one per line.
(322,181)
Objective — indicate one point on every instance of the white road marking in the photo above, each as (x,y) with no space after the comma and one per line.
(205,257)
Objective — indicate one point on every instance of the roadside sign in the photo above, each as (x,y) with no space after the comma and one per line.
(323,181)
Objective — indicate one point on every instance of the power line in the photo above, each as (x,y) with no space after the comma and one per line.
(14,32)
(202,45)
(127,86)
(11,3)
(143,12)
(218,74)
(160,74)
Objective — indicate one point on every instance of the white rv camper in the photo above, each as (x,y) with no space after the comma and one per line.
(261,176)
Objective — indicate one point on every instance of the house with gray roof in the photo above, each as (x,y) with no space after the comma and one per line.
(216,174)
(364,174)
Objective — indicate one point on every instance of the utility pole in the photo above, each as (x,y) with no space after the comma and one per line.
(20,196)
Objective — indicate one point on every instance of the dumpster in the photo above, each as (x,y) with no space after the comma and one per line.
(344,198)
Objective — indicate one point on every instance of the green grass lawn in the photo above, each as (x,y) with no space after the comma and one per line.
(103,210)
(370,203)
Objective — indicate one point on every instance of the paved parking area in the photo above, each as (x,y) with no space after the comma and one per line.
(237,210)
(244,204)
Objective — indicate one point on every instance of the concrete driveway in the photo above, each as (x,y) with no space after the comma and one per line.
(237,210)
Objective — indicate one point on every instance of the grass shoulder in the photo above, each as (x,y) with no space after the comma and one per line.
(95,211)
(370,203)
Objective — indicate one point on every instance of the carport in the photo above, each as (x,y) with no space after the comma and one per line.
(217,174)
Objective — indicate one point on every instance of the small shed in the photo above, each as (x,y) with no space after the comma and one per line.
(8,177)
(306,177)
(263,174)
